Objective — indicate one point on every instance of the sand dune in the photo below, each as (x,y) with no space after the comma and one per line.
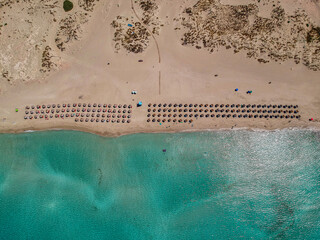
(92,53)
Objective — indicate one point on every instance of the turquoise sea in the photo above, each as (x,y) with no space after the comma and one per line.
(206,185)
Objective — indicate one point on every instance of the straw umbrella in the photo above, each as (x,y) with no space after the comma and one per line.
(253,106)
(249,105)
(240,116)
(212,115)
(148,120)
(218,115)
(195,105)
(174,120)
(238,105)
(180,105)
(196,115)
(295,106)
(227,105)
(130,106)
(234,115)
(211,105)
(97,120)
(153,120)
(154,105)
(82,115)
(128,121)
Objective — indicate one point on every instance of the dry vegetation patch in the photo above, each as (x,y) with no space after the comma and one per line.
(210,25)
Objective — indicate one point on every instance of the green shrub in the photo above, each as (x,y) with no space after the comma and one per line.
(67,5)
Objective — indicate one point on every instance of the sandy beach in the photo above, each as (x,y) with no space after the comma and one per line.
(166,52)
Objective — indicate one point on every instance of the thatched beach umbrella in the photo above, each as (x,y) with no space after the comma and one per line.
(238,105)
(240,116)
(212,115)
(295,106)
(234,115)
(227,105)
(128,121)
(153,120)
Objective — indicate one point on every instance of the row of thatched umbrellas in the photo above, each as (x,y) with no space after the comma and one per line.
(223,116)
(78,110)
(248,110)
(92,115)
(222,105)
(64,105)
(211,115)
(102,120)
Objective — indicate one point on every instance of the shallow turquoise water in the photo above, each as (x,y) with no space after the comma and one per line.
(209,185)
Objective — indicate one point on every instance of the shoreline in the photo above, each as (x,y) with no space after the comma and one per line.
(110,135)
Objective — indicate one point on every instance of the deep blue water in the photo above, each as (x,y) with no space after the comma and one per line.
(207,185)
